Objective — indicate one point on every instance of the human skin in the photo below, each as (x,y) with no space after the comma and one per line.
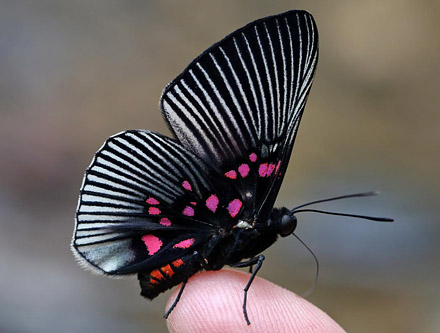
(212,302)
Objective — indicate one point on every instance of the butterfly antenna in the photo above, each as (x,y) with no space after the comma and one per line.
(356,195)
(309,291)
(364,217)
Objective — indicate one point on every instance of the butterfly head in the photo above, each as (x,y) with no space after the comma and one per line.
(283,221)
(287,225)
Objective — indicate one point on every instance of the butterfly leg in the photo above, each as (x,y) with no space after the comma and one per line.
(176,300)
(203,262)
(198,259)
(257,261)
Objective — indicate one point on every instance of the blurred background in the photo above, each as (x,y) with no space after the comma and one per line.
(73,73)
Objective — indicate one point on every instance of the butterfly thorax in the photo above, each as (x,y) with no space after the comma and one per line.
(246,239)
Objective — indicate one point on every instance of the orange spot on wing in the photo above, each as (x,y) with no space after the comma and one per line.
(157,274)
(178,263)
(153,281)
(167,270)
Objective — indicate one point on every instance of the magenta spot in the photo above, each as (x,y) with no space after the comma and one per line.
(262,170)
(152,201)
(184,244)
(231,174)
(253,157)
(193,203)
(270,169)
(165,221)
(234,207)
(187,186)
(244,170)
(278,166)
(212,203)
(154,211)
(152,243)
(188,211)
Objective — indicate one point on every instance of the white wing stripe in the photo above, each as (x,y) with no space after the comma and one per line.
(212,127)
(257,124)
(262,115)
(283,120)
(234,99)
(275,108)
(266,119)
(230,116)
(212,107)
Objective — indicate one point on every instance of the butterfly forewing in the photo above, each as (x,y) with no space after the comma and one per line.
(238,105)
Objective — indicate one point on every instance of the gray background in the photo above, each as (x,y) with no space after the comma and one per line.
(73,73)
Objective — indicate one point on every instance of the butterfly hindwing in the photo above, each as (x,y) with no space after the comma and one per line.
(145,201)
(240,102)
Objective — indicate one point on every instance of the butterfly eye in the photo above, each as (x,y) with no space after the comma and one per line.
(287,225)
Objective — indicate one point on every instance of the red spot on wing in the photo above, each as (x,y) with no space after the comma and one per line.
(231,174)
(154,211)
(193,203)
(152,201)
(234,207)
(188,211)
(244,170)
(157,274)
(152,243)
(177,263)
(212,203)
(270,169)
(153,281)
(167,270)
(253,157)
(187,186)
(165,221)
(278,166)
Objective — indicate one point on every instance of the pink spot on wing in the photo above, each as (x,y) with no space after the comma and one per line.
(188,211)
(234,207)
(152,201)
(270,169)
(165,221)
(184,244)
(278,166)
(244,170)
(152,243)
(262,170)
(231,174)
(193,203)
(186,185)
(154,211)
(212,203)
(253,157)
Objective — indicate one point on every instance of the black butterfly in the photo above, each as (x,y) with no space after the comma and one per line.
(167,208)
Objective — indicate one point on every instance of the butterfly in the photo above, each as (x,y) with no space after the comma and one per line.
(166,208)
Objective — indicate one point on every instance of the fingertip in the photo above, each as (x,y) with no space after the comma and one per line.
(212,302)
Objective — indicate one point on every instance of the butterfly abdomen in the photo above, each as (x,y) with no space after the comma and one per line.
(167,276)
